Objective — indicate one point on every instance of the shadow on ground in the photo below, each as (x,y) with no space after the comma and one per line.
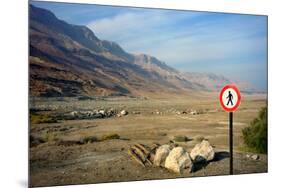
(221,155)
(202,163)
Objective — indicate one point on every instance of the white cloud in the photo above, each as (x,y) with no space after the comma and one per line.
(156,33)
(133,30)
(201,41)
(177,38)
(127,25)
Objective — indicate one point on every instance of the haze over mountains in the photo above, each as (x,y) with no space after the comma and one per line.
(69,60)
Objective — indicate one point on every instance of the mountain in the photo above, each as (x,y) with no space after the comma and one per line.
(69,60)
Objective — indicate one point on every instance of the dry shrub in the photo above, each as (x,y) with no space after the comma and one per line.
(41,118)
(109,137)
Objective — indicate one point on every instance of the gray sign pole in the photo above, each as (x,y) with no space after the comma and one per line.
(230,143)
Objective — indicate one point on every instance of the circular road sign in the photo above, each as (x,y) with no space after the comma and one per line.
(230,98)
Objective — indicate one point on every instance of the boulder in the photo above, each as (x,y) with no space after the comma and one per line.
(202,152)
(74,113)
(193,112)
(255,157)
(177,160)
(110,112)
(102,112)
(160,156)
(89,113)
(97,115)
(123,113)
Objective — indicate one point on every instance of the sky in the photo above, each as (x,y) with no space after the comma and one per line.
(233,45)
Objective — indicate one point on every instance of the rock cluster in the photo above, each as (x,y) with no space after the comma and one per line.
(188,111)
(173,158)
(253,157)
(178,158)
(95,114)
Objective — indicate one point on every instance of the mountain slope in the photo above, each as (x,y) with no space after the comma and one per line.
(69,60)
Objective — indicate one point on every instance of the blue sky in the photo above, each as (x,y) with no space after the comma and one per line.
(232,45)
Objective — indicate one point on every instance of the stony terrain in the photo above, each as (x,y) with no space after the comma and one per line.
(95,149)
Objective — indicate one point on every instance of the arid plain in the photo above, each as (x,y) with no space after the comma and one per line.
(58,156)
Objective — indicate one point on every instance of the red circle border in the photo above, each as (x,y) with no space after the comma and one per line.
(238,94)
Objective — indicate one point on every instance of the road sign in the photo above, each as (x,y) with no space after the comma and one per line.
(230,99)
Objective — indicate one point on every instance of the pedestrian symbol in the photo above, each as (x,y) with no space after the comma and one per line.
(230,98)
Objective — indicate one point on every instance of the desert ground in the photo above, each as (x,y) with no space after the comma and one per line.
(56,158)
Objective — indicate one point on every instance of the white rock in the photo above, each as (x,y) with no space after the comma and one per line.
(193,112)
(177,160)
(202,151)
(255,157)
(160,156)
(123,113)
(89,113)
(102,112)
(110,111)
(74,113)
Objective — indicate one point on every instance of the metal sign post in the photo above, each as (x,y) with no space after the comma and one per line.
(230,143)
(230,99)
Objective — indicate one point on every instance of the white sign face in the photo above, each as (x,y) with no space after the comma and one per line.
(230,98)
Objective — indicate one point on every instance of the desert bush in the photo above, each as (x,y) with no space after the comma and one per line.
(34,141)
(83,98)
(67,142)
(181,139)
(109,137)
(49,136)
(255,135)
(91,139)
(88,139)
(41,118)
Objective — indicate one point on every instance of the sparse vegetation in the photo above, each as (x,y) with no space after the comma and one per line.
(34,141)
(181,139)
(41,118)
(83,98)
(103,150)
(255,136)
(49,136)
(91,139)
(88,139)
(109,137)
